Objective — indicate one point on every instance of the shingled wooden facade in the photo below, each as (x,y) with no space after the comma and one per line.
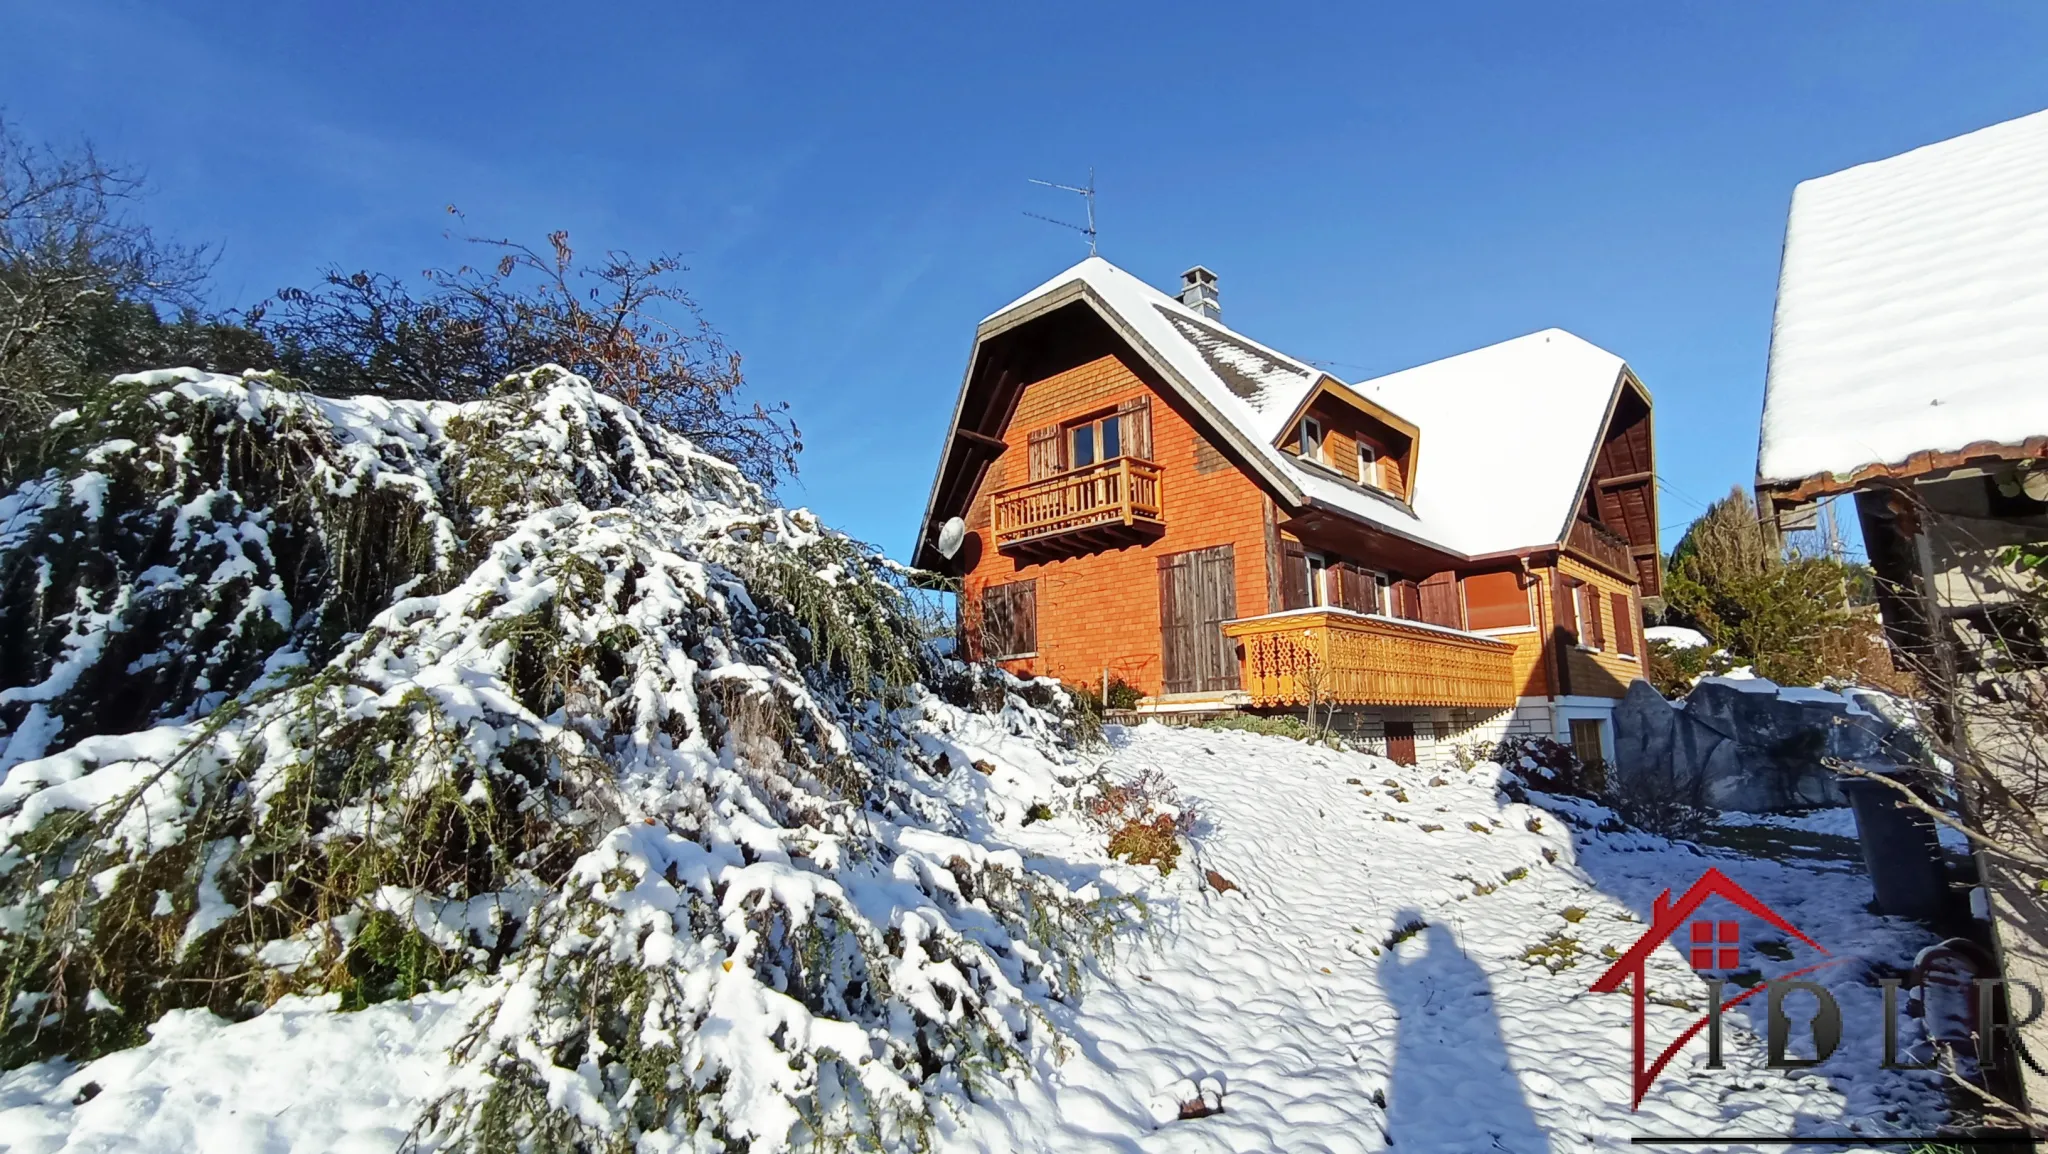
(1118,527)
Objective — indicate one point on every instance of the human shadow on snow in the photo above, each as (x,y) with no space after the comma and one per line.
(1452,1087)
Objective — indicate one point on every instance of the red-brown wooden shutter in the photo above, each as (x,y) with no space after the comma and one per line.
(1009,620)
(1564,631)
(1495,601)
(1293,575)
(1567,608)
(1354,587)
(1047,452)
(1136,418)
(1408,600)
(1440,600)
(1624,626)
(1596,629)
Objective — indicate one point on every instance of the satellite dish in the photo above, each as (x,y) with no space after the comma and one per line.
(952,535)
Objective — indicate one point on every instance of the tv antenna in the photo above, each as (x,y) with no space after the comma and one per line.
(1087,194)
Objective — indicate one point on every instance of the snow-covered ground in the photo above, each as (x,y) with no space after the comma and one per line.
(1677,636)
(1475,1032)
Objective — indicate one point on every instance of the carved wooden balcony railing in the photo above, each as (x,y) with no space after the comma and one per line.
(1601,546)
(1111,503)
(1352,659)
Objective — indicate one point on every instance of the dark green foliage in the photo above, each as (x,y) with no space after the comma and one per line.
(1786,615)
(1122,694)
(314,569)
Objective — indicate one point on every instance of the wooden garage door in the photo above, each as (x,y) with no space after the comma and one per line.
(1197,594)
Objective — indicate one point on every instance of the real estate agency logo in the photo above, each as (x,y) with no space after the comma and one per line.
(1713,947)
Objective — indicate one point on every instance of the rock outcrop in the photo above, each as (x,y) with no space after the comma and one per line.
(1747,745)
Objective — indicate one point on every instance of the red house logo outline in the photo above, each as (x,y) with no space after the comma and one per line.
(1667,917)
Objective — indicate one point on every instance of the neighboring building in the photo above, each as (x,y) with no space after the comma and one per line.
(1452,552)
(1909,355)
(1909,366)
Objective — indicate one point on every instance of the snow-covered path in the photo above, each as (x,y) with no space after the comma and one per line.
(1324,1036)
(1288,993)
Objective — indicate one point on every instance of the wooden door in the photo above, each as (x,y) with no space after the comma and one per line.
(1197,594)
(1401,742)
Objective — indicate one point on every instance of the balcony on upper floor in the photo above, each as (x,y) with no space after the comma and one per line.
(1111,503)
(1333,656)
(1601,546)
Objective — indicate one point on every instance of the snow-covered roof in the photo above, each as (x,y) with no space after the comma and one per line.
(1508,435)
(1912,308)
(1258,387)
(1476,411)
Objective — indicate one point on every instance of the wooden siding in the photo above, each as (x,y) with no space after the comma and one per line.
(1602,672)
(1622,494)
(1100,609)
(1291,658)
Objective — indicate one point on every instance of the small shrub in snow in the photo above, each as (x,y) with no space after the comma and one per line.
(1557,952)
(1277,725)
(1154,843)
(1544,764)
(1144,818)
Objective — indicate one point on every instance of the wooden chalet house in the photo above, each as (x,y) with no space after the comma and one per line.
(1447,553)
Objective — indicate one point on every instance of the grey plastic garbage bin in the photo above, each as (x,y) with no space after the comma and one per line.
(1900,850)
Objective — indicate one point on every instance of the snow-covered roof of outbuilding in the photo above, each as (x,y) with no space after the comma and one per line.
(1912,309)
(1474,411)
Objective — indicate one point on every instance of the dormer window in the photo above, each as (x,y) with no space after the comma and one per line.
(1312,439)
(1368,465)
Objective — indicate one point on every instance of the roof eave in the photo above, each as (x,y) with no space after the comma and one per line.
(1925,463)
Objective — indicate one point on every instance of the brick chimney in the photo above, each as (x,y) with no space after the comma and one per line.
(1198,292)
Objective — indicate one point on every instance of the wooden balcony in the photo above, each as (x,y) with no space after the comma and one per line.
(1352,659)
(1097,506)
(1601,546)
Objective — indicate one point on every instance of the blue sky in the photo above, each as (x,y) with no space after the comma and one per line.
(1376,185)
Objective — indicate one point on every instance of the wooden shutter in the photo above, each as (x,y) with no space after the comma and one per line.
(1564,631)
(1495,601)
(1624,626)
(1354,587)
(1408,600)
(1567,599)
(1135,415)
(995,622)
(1595,628)
(1047,453)
(1293,575)
(1009,620)
(1440,600)
(1197,594)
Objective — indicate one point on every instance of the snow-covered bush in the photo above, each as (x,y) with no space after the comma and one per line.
(367,696)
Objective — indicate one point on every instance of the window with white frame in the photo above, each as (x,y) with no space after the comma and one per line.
(1368,465)
(1312,439)
(1318,579)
